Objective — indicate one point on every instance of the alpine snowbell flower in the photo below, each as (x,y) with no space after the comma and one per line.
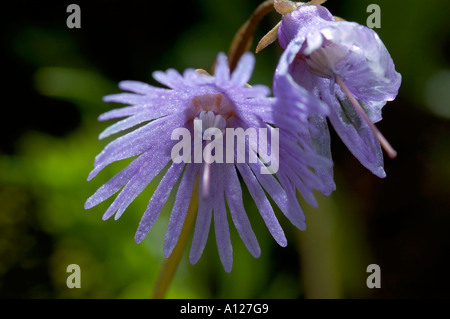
(203,105)
(348,67)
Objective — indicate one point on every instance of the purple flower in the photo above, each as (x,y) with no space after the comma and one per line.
(342,63)
(220,102)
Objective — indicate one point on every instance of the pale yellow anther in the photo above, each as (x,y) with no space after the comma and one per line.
(336,18)
(201,71)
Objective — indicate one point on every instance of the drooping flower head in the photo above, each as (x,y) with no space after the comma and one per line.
(343,64)
(202,106)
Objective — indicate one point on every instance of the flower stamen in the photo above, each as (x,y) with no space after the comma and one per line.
(215,103)
(209,118)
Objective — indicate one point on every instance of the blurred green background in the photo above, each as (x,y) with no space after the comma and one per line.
(55,79)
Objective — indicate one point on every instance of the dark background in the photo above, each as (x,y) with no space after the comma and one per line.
(52,88)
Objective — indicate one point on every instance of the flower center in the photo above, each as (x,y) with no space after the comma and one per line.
(323,60)
(213,111)
(209,120)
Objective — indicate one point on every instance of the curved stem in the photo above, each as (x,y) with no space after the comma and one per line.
(242,41)
(170,266)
